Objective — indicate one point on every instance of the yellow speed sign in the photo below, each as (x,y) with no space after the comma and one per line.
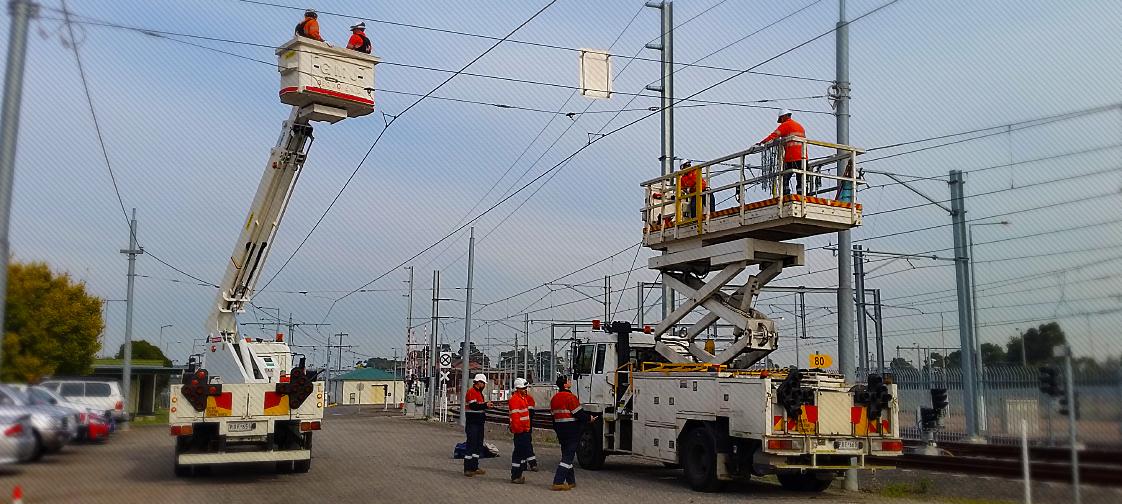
(820,361)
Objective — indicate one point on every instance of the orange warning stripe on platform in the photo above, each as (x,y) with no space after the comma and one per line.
(220,405)
(766,203)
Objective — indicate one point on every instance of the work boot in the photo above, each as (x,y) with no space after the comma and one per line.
(519,480)
(479,472)
(560,487)
(534,468)
(469,473)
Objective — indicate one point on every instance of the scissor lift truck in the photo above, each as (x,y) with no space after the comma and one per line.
(666,393)
(246,399)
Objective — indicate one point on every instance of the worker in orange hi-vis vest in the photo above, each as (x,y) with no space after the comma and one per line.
(309,27)
(793,151)
(520,427)
(474,424)
(568,423)
(358,41)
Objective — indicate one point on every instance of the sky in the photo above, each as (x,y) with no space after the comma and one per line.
(187,131)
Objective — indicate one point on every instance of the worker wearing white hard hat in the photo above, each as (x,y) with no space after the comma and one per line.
(475,417)
(794,152)
(358,41)
(520,426)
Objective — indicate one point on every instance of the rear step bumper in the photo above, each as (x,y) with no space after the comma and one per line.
(243,457)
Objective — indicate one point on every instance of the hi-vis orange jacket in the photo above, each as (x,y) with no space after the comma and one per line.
(519,413)
(793,151)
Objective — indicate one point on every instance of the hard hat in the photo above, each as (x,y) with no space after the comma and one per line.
(519,383)
(360,26)
(310,13)
(480,377)
(784,112)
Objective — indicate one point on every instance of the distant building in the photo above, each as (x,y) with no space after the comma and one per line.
(150,382)
(368,386)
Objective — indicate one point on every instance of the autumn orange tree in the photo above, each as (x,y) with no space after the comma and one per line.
(51,324)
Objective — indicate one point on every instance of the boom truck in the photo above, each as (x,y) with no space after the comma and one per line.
(248,399)
(687,393)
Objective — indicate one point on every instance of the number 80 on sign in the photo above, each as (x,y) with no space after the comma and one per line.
(820,361)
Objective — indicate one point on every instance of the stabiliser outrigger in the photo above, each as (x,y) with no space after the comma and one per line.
(253,400)
(667,393)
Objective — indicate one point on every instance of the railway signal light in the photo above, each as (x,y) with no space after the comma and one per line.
(928,418)
(1050,381)
(939,400)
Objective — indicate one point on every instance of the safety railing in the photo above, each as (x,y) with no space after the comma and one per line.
(693,195)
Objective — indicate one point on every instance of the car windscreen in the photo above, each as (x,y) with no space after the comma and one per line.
(98,390)
(40,396)
(17,396)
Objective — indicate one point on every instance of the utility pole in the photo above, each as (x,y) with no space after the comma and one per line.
(845,240)
(553,352)
(862,319)
(465,355)
(430,407)
(1069,377)
(965,327)
(21,11)
(337,388)
(880,331)
(802,318)
(665,47)
(409,324)
(526,363)
(133,251)
(607,299)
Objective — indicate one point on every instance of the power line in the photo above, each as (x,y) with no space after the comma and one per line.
(514,41)
(379,137)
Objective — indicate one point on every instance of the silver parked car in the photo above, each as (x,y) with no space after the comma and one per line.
(17,439)
(52,426)
(85,415)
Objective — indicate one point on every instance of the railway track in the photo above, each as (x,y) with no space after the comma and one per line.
(1096,467)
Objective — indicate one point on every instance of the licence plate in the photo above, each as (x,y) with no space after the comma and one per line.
(848,444)
(241,426)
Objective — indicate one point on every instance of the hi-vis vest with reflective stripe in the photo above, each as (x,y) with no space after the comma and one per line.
(519,414)
(564,407)
(475,397)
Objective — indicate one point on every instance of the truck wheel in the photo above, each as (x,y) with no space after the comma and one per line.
(811,481)
(590,450)
(699,460)
(183,471)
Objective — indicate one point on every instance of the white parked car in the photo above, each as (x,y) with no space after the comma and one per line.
(97,395)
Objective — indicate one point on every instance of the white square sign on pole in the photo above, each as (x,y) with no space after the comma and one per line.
(595,74)
(445,360)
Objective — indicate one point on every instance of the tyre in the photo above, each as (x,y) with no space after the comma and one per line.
(302,466)
(183,471)
(699,460)
(811,481)
(590,450)
(39,451)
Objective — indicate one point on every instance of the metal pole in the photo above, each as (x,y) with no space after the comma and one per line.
(552,352)
(802,318)
(845,240)
(133,251)
(1025,461)
(962,274)
(409,325)
(338,388)
(431,393)
(862,319)
(21,12)
(607,299)
(465,356)
(526,361)
(665,46)
(639,304)
(1069,378)
(880,331)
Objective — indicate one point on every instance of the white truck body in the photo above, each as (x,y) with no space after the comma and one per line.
(244,400)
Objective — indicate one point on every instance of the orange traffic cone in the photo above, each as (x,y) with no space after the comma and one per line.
(17,495)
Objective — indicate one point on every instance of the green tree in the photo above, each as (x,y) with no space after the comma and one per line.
(900,363)
(1037,343)
(992,354)
(51,324)
(142,349)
